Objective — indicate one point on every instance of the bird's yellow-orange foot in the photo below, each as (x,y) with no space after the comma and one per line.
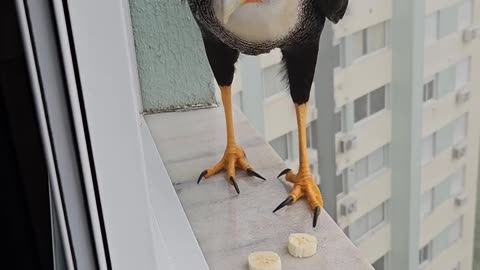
(234,157)
(303,186)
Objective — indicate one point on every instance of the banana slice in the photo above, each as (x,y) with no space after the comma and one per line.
(302,245)
(264,260)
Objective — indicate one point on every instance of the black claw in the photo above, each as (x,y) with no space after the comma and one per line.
(288,201)
(201,176)
(316,213)
(284,172)
(235,184)
(251,172)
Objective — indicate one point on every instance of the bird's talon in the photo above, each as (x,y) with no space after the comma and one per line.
(284,172)
(316,213)
(234,183)
(201,176)
(251,172)
(287,201)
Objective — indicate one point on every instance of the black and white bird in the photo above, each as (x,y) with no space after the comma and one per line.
(254,27)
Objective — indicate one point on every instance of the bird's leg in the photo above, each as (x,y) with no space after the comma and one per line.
(303,183)
(234,156)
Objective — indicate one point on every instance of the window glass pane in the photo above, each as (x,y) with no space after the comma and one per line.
(459,129)
(361,170)
(428,91)
(339,184)
(377,100)
(375,37)
(457,182)
(427,149)
(375,217)
(440,243)
(280,145)
(376,161)
(338,122)
(447,21)
(356,46)
(446,81)
(309,136)
(424,254)
(443,138)
(379,264)
(455,232)
(462,73)
(431,28)
(441,193)
(359,228)
(360,105)
(426,204)
(465,14)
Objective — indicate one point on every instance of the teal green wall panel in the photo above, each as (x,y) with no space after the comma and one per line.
(172,66)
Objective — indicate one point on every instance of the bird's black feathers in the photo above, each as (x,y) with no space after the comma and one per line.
(334,10)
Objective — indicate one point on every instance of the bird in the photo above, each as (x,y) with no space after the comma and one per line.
(254,27)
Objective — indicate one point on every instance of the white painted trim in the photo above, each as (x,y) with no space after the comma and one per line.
(151,231)
(79,132)
(40,110)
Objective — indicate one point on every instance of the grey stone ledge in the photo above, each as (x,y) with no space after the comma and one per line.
(229,226)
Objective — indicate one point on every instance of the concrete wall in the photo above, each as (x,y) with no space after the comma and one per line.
(173,69)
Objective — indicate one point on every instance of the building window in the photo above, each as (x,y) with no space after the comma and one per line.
(369,104)
(428,149)
(447,237)
(465,16)
(338,122)
(371,164)
(309,136)
(281,146)
(460,129)
(361,108)
(339,184)
(425,254)
(462,73)
(380,264)
(428,90)
(455,231)
(431,28)
(367,223)
(426,201)
(441,193)
(367,41)
(375,37)
(457,182)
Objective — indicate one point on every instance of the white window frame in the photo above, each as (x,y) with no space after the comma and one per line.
(138,236)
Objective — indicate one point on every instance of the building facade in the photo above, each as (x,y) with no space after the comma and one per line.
(393,127)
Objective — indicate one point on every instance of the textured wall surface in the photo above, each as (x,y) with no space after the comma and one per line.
(173,69)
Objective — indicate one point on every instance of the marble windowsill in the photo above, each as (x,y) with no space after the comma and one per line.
(229,226)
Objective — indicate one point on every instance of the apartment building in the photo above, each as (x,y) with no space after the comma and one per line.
(393,127)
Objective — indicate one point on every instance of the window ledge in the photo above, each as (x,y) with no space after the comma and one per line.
(229,226)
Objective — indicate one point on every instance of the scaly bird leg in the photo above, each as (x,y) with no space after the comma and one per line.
(303,183)
(234,156)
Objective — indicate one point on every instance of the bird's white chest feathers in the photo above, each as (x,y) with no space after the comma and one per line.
(267,21)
